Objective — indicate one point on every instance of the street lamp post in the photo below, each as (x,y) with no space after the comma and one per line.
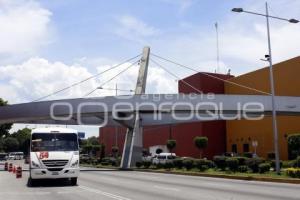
(269,58)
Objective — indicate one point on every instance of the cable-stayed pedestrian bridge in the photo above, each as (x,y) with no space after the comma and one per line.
(153,109)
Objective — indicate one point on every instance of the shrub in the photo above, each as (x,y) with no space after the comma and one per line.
(138,164)
(264,167)
(293,172)
(271,156)
(273,164)
(147,164)
(202,164)
(253,164)
(169,165)
(220,162)
(210,164)
(297,162)
(232,164)
(242,160)
(114,162)
(188,163)
(178,163)
(243,168)
(247,154)
(104,163)
(159,165)
(110,161)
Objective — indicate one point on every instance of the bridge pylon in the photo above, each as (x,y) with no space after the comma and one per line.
(133,145)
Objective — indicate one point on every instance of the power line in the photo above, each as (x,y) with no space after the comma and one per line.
(159,65)
(112,78)
(211,76)
(80,82)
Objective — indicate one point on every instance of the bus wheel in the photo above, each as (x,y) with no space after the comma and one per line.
(73,181)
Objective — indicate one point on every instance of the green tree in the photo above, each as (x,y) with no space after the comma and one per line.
(201,143)
(294,145)
(82,142)
(93,140)
(23,137)
(4,128)
(115,151)
(171,144)
(95,149)
(1,145)
(102,151)
(10,144)
(87,149)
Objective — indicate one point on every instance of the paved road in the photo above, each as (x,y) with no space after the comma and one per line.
(129,185)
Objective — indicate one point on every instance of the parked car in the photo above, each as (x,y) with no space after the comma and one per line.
(3,156)
(164,158)
(230,154)
(147,158)
(11,156)
(15,156)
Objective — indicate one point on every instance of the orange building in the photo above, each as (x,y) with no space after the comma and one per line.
(241,133)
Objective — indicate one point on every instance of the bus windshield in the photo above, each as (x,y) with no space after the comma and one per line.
(54,142)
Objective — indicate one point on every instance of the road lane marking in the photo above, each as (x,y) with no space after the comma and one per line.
(166,188)
(24,193)
(113,196)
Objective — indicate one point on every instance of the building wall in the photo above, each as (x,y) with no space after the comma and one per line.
(182,133)
(287,83)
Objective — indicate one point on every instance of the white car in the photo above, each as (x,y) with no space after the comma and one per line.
(163,158)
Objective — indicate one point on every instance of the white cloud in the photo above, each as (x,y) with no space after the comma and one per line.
(38,77)
(182,5)
(243,40)
(135,29)
(24,26)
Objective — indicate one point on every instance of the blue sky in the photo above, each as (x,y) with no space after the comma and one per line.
(48,44)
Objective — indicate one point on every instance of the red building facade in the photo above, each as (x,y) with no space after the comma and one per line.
(182,133)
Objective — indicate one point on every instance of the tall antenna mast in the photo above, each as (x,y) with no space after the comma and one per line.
(218,55)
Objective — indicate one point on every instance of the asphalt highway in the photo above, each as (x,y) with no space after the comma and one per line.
(130,185)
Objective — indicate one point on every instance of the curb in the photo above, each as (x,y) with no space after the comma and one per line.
(245,178)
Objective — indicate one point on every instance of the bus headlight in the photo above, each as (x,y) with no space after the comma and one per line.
(35,164)
(75,164)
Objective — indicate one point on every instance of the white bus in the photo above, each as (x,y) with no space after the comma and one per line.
(54,154)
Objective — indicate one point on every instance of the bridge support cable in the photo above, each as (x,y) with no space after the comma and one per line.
(174,75)
(87,79)
(211,76)
(118,74)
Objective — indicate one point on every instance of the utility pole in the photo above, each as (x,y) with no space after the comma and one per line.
(133,146)
(218,53)
(274,120)
(117,128)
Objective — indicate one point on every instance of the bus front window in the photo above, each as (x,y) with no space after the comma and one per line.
(54,142)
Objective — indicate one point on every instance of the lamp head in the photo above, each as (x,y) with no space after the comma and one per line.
(293,21)
(237,10)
